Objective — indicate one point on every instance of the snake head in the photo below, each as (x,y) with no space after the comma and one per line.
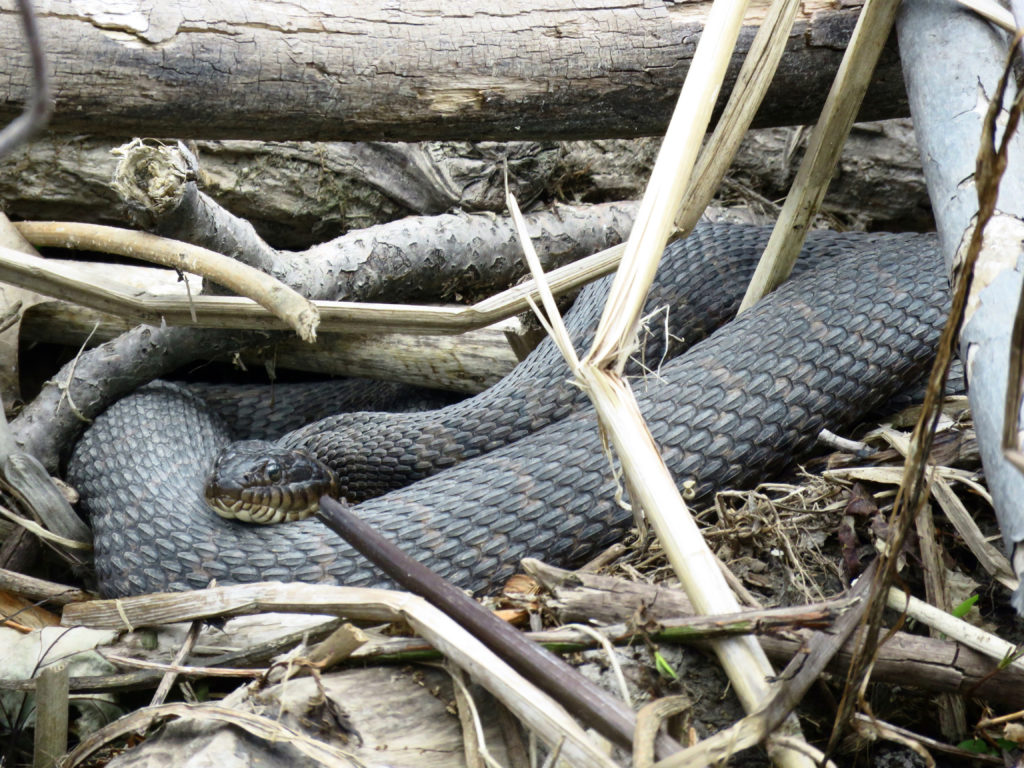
(259,482)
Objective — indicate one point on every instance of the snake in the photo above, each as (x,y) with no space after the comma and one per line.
(520,470)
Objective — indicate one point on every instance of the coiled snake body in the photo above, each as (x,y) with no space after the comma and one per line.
(529,476)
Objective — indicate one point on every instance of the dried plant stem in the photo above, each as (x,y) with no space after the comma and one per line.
(65,281)
(650,483)
(759,66)
(669,180)
(823,149)
(991,10)
(956,629)
(282,301)
(665,510)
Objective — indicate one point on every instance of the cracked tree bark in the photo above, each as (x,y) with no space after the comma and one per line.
(273,70)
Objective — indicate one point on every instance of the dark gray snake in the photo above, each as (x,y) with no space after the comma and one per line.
(821,351)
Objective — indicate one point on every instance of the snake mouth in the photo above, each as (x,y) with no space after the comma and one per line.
(258,482)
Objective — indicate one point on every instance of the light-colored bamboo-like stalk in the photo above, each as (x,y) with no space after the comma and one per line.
(669,180)
(991,10)
(1007,654)
(823,148)
(752,83)
(651,484)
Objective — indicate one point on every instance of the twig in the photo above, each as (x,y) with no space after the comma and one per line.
(609,649)
(988,722)
(759,66)
(882,729)
(42,533)
(803,747)
(172,671)
(157,181)
(338,646)
(38,589)
(160,695)
(649,720)
(477,753)
(877,730)
(832,440)
(1007,654)
(823,148)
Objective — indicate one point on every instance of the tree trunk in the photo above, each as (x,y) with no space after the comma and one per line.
(950,96)
(387,71)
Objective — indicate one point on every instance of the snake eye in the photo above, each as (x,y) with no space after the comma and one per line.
(273,471)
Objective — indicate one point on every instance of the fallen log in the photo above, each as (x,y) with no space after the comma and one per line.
(405,72)
(296,194)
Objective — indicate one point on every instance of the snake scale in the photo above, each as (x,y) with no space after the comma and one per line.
(518,470)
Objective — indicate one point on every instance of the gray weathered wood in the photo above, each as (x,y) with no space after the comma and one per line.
(51,734)
(468,362)
(949,96)
(38,589)
(424,69)
(299,193)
